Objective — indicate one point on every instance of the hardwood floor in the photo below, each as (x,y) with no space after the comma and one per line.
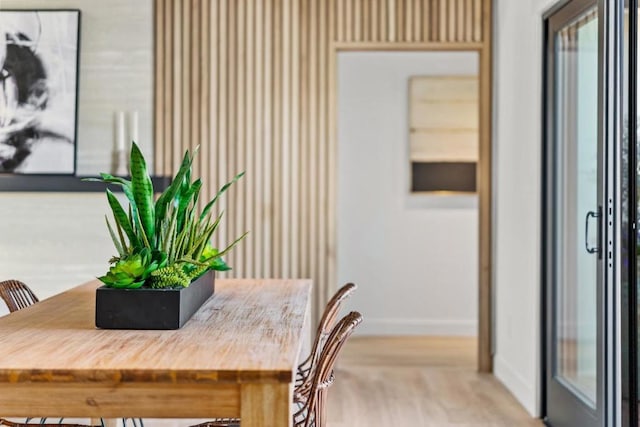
(425,382)
(410,382)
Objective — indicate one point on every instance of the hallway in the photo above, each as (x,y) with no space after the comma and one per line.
(410,382)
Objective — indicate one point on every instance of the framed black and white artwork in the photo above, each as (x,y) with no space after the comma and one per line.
(39,53)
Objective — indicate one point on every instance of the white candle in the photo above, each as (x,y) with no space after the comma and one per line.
(133,127)
(120,144)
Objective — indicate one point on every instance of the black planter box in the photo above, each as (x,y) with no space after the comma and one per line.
(151,308)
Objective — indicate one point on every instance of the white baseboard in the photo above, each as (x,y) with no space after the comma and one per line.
(524,392)
(446,327)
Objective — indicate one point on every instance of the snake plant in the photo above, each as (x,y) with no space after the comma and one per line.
(166,243)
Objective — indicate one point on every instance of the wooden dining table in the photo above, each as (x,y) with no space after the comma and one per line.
(236,357)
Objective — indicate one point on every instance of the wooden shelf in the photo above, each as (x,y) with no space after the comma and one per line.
(65,183)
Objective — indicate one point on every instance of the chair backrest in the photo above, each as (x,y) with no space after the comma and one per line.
(16,295)
(328,319)
(313,411)
(333,307)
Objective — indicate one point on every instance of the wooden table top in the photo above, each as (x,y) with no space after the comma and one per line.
(249,331)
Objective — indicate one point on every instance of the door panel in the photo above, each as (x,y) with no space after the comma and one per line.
(577,216)
(574,189)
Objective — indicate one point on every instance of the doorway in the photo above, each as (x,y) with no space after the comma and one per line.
(416,252)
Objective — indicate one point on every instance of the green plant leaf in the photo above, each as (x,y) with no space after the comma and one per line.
(184,199)
(122,219)
(109,179)
(116,242)
(170,193)
(224,188)
(218,264)
(208,253)
(142,189)
(125,184)
(235,242)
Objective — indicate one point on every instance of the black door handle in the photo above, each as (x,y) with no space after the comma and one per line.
(594,215)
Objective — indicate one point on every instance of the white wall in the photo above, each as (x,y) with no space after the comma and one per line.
(414,257)
(55,241)
(116,72)
(517,174)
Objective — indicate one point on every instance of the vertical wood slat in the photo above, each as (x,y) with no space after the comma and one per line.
(240,160)
(451,21)
(340,21)
(294,205)
(303,172)
(357,20)
(186,76)
(460,20)
(399,15)
(348,18)
(477,19)
(169,87)
(346,23)
(426,20)
(434,10)
(223,124)
(276,244)
(213,142)
(258,141)
(331,135)
(313,141)
(267,200)
(417,20)
(366,19)
(452,13)
(443,22)
(176,42)
(391,20)
(468,20)
(400,28)
(205,93)
(374,19)
(408,20)
(160,93)
(194,85)
(248,207)
(262,72)
(285,140)
(383,13)
(232,114)
(328,173)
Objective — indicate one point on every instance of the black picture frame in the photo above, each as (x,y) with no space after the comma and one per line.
(45,144)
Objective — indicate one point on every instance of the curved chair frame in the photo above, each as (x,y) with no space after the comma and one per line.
(17,295)
(312,407)
(313,412)
(303,377)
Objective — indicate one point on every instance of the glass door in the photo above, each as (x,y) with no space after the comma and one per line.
(574,221)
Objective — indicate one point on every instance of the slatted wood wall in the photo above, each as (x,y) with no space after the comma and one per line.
(408,20)
(252,83)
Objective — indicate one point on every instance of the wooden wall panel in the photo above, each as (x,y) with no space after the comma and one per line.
(253,83)
(417,21)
